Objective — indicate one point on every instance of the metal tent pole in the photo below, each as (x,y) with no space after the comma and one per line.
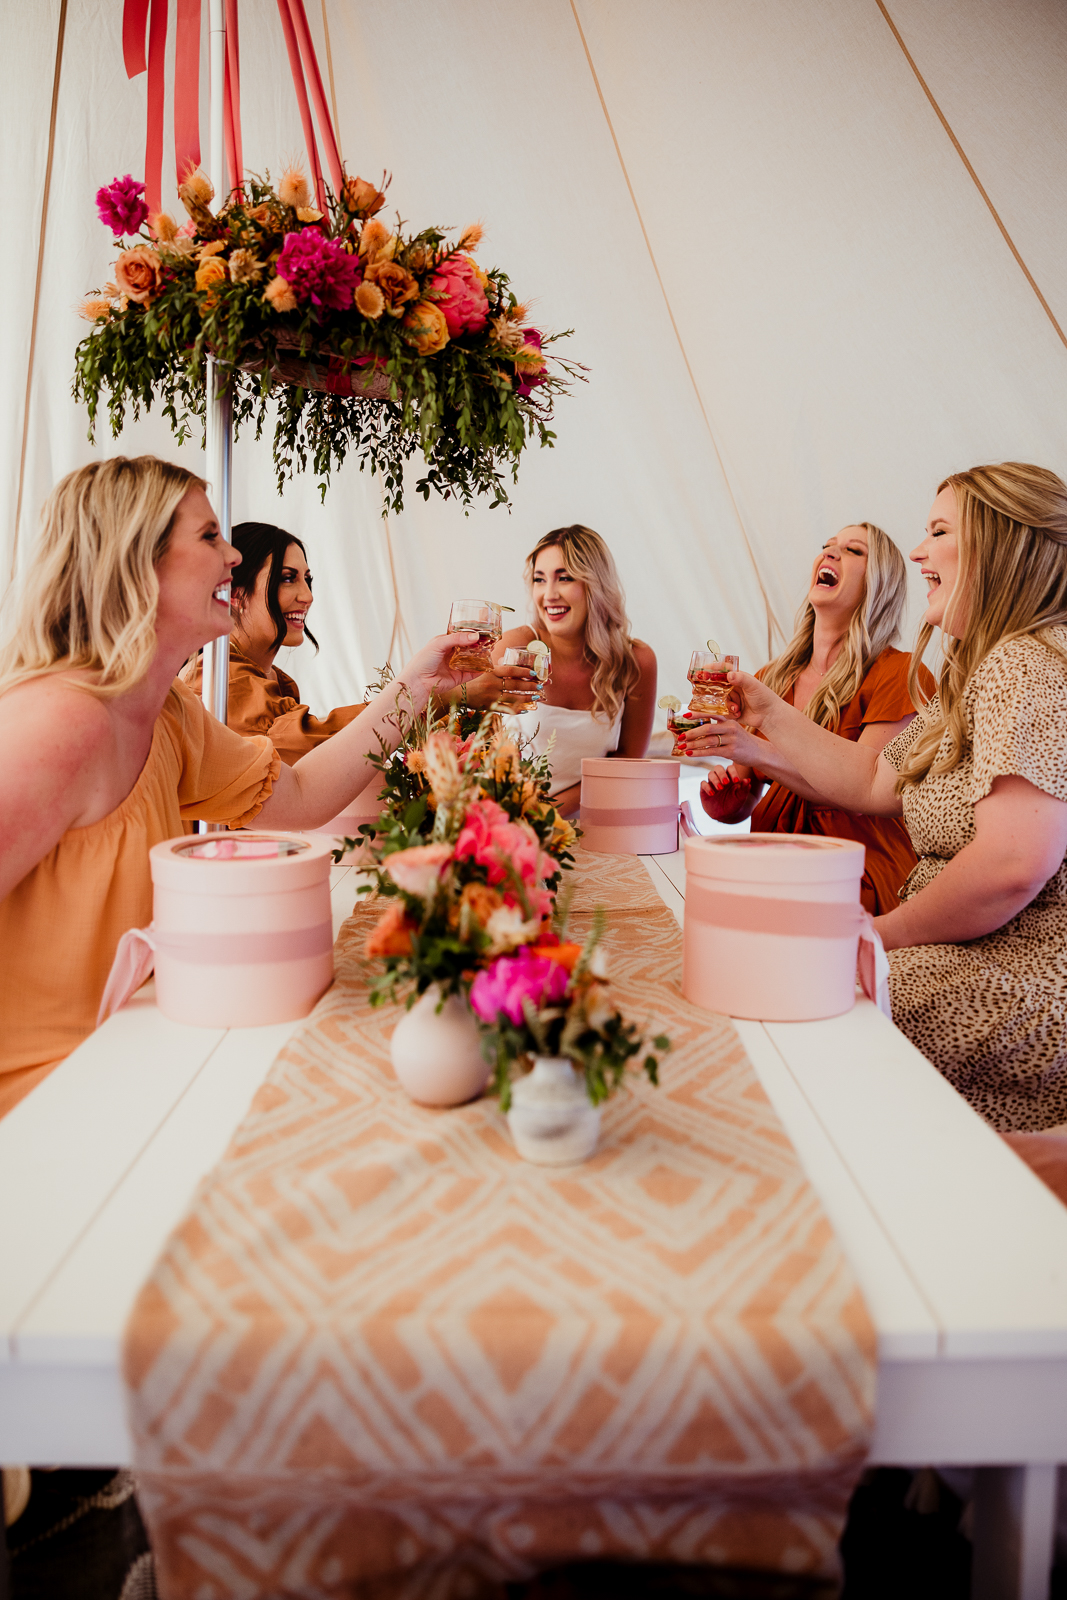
(219,398)
(219,420)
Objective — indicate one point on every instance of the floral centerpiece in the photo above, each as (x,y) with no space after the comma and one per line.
(368,336)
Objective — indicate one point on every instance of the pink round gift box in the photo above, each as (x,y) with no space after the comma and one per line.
(244,934)
(629,808)
(772,925)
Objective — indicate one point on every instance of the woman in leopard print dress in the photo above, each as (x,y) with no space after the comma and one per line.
(978,946)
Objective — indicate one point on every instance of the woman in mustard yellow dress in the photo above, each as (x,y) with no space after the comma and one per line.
(107,753)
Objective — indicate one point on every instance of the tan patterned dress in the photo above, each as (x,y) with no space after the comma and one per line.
(991,1014)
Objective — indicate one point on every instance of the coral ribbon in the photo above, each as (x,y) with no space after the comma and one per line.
(299,45)
(187,89)
(627,816)
(235,159)
(137,15)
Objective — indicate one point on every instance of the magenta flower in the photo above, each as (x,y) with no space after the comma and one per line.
(499,991)
(120,207)
(525,381)
(319,270)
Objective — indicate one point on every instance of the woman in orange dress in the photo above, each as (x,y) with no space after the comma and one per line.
(271,595)
(108,754)
(842,668)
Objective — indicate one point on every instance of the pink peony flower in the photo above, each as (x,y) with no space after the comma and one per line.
(525,381)
(489,838)
(499,990)
(120,206)
(461,296)
(319,270)
(418,870)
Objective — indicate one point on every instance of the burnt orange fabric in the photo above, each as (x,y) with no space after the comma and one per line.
(383,1357)
(60,926)
(883,697)
(260,703)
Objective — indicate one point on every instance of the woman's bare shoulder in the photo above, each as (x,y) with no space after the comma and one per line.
(515,638)
(644,655)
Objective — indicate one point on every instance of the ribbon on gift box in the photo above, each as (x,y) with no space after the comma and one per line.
(135,956)
(810,919)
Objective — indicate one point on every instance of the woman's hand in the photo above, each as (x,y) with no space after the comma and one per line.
(724,740)
(756,700)
(429,670)
(729,794)
(508,688)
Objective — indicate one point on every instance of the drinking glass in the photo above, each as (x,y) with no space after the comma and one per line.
(539,662)
(475,616)
(679,723)
(712,694)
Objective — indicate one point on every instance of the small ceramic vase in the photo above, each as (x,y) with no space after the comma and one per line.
(437,1054)
(552,1120)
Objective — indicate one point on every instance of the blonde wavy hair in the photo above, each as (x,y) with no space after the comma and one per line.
(1012,544)
(872,628)
(90,596)
(609,647)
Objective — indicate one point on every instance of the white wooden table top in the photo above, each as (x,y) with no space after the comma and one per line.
(961,1253)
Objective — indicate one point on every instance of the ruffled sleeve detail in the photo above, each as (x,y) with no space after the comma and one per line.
(1017,701)
(224,777)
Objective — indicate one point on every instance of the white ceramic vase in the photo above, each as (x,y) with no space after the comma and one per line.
(552,1120)
(437,1054)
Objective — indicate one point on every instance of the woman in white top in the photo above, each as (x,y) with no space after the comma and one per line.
(601,697)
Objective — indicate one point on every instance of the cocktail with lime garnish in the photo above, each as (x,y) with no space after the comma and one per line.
(708,674)
(681,723)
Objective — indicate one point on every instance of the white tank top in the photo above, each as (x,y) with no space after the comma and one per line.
(578,734)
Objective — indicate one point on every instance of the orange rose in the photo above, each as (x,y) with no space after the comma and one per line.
(137,274)
(362,198)
(209,274)
(426,328)
(392,936)
(482,900)
(395,283)
(565,955)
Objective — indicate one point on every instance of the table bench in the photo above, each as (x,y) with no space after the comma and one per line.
(960,1251)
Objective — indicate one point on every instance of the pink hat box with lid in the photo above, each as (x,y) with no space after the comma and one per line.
(629,808)
(243,931)
(772,925)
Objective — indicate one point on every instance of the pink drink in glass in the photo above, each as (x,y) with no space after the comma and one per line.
(712,695)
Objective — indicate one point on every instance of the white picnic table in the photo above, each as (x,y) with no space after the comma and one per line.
(960,1252)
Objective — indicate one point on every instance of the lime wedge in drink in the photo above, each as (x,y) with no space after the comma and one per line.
(714,648)
(537,647)
(669,702)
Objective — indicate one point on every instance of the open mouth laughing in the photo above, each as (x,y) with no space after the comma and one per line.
(827,578)
(294,619)
(555,610)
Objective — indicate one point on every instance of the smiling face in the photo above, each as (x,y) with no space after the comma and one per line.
(562,606)
(255,628)
(839,574)
(939,561)
(195,565)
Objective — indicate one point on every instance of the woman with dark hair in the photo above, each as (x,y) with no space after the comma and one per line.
(270,596)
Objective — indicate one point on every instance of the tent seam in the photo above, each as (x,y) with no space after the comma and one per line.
(773,625)
(957,146)
(60,34)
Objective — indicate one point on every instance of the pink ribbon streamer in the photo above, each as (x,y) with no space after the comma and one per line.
(134,959)
(285,11)
(187,89)
(234,152)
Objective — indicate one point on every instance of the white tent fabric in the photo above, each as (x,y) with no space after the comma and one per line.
(796,303)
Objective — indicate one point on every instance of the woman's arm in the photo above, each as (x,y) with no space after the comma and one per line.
(1020,842)
(323,782)
(814,763)
(640,708)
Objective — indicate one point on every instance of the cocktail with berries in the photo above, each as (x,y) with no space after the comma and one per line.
(538,658)
(708,674)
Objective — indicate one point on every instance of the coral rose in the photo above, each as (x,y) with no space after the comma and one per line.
(362,198)
(417,871)
(459,287)
(137,274)
(392,936)
(279,295)
(396,283)
(425,327)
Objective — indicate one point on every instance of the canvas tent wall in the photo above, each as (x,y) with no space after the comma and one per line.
(813,251)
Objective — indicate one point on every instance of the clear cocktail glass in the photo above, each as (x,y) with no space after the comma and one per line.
(538,658)
(475,616)
(680,723)
(712,695)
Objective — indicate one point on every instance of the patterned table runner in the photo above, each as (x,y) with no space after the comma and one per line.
(383,1356)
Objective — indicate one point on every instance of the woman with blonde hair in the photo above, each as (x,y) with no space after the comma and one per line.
(108,754)
(842,669)
(978,947)
(601,698)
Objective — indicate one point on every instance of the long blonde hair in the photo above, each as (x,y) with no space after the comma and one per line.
(1012,544)
(608,645)
(872,628)
(90,597)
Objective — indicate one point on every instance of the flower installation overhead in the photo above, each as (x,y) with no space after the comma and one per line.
(367,337)
(470,854)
